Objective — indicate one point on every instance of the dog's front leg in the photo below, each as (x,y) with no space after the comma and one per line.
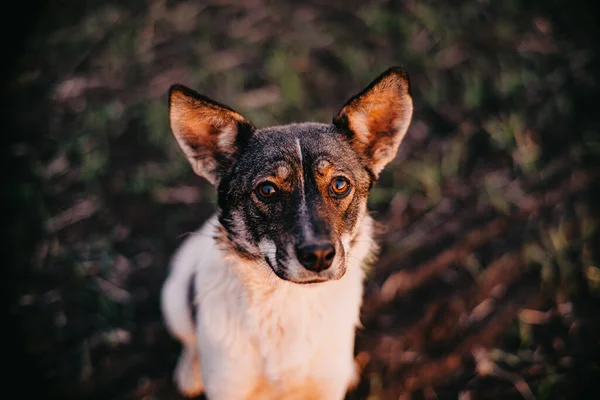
(229,371)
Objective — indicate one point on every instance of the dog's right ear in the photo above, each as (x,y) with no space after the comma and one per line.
(210,134)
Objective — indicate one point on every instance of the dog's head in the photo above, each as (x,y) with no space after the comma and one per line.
(293,196)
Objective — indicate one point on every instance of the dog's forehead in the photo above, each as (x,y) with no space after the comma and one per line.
(297,144)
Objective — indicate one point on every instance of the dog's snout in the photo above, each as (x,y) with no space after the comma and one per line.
(315,256)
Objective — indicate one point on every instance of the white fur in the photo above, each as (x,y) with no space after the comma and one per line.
(299,148)
(269,249)
(261,337)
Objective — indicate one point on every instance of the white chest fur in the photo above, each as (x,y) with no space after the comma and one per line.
(263,337)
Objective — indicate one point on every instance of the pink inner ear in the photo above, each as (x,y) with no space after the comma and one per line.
(206,131)
(203,128)
(197,135)
(379,119)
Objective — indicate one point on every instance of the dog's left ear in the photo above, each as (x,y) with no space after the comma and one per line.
(375,120)
(209,133)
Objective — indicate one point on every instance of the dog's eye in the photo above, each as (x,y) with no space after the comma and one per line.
(266,192)
(340,187)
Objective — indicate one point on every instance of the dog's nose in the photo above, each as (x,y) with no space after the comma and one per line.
(315,256)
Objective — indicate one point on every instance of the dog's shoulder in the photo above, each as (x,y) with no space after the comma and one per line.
(197,246)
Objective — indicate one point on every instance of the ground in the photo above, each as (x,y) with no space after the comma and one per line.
(487,285)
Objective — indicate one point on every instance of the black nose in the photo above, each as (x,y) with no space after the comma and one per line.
(315,256)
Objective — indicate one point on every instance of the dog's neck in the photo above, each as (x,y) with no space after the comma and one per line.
(286,321)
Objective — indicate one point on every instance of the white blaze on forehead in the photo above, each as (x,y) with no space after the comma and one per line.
(299,148)
(303,212)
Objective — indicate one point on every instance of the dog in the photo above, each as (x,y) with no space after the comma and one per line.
(278,271)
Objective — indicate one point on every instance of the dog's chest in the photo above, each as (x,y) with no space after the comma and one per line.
(294,329)
(285,333)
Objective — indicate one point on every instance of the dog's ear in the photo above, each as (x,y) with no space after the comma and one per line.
(210,134)
(376,119)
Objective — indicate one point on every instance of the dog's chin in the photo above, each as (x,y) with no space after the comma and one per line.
(308,280)
(303,276)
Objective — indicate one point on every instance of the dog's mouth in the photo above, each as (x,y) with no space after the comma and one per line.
(295,273)
(311,281)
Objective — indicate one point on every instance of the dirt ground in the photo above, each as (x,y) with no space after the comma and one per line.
(488,281)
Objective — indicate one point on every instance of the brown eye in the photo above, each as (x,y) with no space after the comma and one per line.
(266,192)
(340,187)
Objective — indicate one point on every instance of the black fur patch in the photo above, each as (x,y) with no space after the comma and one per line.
(192,298)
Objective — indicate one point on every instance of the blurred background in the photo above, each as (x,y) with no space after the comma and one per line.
(488,283)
